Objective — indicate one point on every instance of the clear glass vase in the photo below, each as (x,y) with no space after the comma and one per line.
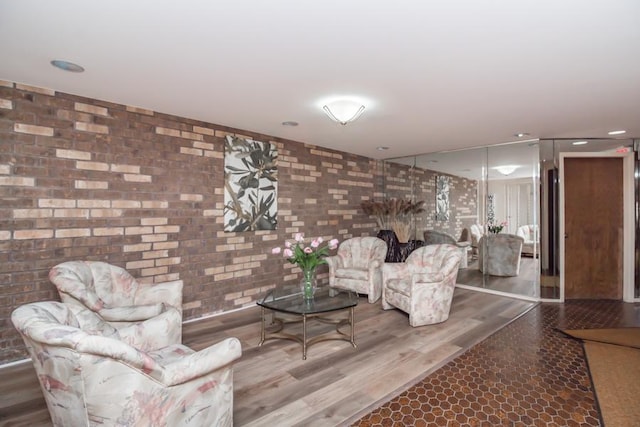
(308,284)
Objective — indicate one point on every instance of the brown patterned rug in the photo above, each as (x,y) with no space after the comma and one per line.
(613,357)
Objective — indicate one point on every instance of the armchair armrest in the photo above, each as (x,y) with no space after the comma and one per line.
(428,277)
(188,367)
(169,293)
(202,362)
(375,265)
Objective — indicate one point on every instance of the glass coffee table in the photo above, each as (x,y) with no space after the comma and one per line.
(298,310)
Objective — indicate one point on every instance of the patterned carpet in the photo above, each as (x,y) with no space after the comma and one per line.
(527,374)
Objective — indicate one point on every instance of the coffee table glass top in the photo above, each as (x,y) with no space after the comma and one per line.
(325,299)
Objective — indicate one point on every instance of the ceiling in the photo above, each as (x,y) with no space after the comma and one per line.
(434,75)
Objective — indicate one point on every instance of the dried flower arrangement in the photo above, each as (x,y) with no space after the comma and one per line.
(394,214)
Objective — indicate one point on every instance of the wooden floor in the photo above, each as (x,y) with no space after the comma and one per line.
(335,385)
(526,283)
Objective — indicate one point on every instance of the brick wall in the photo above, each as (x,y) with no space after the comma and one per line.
(87,179)
(417,184)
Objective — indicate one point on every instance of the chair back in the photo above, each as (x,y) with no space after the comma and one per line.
(358,252)
(527,232)
(434,237)
(94,284)
(476,231)
(444,258)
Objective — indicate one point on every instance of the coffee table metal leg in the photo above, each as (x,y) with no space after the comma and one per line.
(353,326)
(262,333)
(304,337)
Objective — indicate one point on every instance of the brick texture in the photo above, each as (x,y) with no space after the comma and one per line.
(91,180)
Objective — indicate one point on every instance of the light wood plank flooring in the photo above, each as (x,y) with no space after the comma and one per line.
(335,385)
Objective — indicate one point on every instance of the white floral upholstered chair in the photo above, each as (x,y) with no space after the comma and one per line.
(423,285)
(89,377)
(358,266)
(147,316)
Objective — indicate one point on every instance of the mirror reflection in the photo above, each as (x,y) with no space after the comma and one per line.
(498,204)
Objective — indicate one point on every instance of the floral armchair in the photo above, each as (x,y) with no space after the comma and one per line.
(147,316)
(358,266)
(90,377)
(423,285)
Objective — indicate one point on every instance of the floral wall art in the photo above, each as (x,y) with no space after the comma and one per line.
(442,198)
(250,185)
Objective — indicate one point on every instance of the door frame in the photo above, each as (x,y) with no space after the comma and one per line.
(628,241)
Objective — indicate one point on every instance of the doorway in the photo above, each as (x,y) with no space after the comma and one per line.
(593,228)
(594,221)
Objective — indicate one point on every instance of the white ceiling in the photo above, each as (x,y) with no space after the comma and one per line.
(436,75)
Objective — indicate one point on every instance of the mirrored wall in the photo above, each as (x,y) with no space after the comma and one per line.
(499,204)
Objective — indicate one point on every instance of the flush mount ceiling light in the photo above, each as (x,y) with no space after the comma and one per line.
(343,111)
(580,143)
(520,134)
(617,132)
(67,66)
(382,148)
(290,123)
(506,169)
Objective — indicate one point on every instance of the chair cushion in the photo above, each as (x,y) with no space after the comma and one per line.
(352,273)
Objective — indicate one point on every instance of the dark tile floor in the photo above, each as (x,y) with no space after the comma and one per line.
(526,374)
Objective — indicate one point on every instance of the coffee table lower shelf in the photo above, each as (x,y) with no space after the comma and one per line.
(277,325)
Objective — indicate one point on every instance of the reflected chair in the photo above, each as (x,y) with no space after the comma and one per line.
(434,237)
(358,266)
(90,377)
(499,254)
(529,234)
(148,316)
(423,285)
(476,231)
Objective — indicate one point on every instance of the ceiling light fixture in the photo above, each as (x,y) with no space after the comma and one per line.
(290,123)
(381,148)
(521,134)
(67,66)
(617,132)
(580,142)
(506,169)
(343,111)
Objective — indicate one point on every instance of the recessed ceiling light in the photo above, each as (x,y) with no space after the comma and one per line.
(580,142)
(290,123)
(617,132)
(521,134)
(67,66)
(382,148)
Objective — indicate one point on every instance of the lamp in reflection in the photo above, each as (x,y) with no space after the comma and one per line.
(506,170)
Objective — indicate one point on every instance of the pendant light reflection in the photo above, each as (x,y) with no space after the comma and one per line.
(506,170)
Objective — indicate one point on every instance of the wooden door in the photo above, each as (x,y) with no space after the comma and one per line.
(593,217)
